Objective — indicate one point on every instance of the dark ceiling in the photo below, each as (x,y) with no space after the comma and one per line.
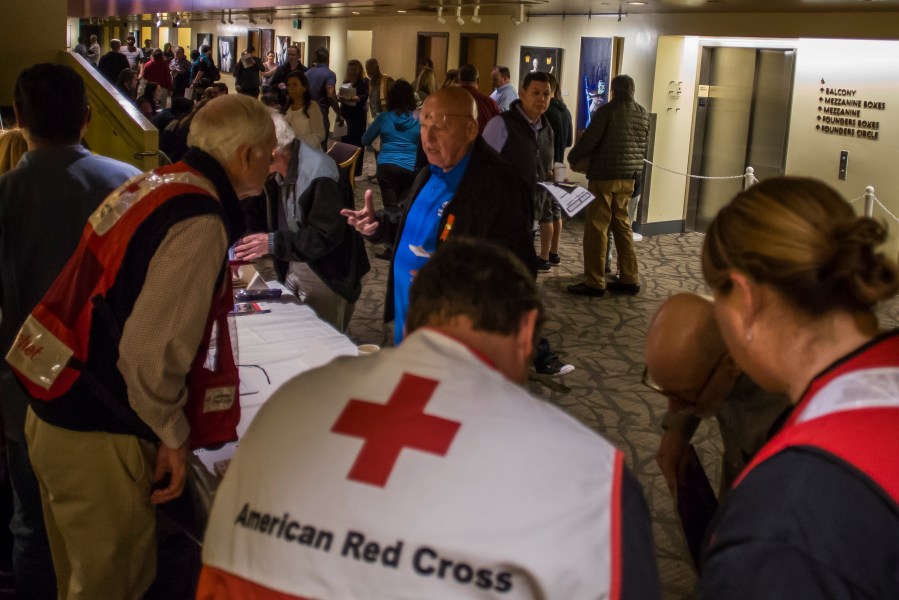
(262,9)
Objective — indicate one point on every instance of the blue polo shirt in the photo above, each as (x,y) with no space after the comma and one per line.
(421,229)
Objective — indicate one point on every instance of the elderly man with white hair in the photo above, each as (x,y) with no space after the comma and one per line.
(143,286)
(297,221)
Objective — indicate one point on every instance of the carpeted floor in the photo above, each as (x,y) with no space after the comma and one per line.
(603,339)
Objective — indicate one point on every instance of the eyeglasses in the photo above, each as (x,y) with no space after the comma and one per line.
(438,120)
(688,397)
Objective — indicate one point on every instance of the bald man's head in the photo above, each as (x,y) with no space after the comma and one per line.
(449,126)
(684,345)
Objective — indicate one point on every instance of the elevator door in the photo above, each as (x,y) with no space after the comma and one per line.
(742,117)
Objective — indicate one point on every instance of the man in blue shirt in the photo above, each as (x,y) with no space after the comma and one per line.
(467,190)
(504,92)
(322,88)
(44,203)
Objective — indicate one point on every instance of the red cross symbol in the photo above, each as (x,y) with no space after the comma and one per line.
(388,428)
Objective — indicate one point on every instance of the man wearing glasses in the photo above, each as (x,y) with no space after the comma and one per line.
(687,362)
(467,190)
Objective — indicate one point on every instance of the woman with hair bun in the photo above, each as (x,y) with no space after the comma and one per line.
(796,275)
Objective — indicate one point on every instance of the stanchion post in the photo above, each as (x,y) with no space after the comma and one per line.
(748,178)
(869,201)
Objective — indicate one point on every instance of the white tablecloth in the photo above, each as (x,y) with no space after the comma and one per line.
(285,342)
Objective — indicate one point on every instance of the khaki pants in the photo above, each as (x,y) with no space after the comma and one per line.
(327,304)
(95,491)
(609,211)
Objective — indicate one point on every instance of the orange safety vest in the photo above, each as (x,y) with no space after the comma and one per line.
(51,350)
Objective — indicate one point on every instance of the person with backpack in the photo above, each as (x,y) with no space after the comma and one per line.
(204,67)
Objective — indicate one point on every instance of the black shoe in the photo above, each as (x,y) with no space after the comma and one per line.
(386,254)
(582,289)
(544,266)
(617,287)
(554,259)
(555,367)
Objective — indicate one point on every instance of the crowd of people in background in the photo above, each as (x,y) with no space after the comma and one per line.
(788,355)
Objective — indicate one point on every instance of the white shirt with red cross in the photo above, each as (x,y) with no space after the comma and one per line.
(418,472)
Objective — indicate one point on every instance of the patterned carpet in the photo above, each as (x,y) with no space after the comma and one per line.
(603,339)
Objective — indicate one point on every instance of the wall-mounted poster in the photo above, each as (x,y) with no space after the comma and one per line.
(546,60)
(266,43)
(593,78)
(281,46)
(204,39)
(227,49)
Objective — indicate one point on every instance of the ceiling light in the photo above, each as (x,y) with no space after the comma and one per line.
(252,19)
(402,12)
(355,12)
(270,19)
(158,20)
(637,3)
(459,18)
(475,18)
(520,19)
(440,18)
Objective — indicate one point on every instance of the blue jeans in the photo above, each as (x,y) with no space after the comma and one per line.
(32,562)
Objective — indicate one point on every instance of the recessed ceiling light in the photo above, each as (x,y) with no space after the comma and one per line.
(401,11)
(355,12)
(636,3)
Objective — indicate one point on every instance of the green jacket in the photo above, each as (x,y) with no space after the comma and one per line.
(615,141)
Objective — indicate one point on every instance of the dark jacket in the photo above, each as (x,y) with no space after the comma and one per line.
(491,203)
(531,156)
(111,64)
(248,79)
(332,249)
(560,118)
(615,141)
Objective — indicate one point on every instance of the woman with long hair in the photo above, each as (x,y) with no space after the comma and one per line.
(303,115)
(353,98)
(427,85)
(796,277)
(12,146)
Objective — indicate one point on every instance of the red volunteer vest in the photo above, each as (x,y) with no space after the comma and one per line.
(851,412)
(51,348)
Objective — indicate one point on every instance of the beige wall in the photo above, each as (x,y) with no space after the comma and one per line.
(871,68)
(30,32)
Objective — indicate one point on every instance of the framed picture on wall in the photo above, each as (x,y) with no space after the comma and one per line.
(226,55)
(316,42)
(593,77)
(282,43)
(535,58)
(204,39)
(266,42)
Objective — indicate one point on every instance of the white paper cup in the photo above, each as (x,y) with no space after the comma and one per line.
(366,349)
(560,172)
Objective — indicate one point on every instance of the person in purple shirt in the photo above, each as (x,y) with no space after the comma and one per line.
(322,84)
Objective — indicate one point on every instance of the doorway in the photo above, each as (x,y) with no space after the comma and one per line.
(433,45)
(479,49)
(742,119)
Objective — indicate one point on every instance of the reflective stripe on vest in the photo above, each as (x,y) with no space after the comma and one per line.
(851,412)
(53,341)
